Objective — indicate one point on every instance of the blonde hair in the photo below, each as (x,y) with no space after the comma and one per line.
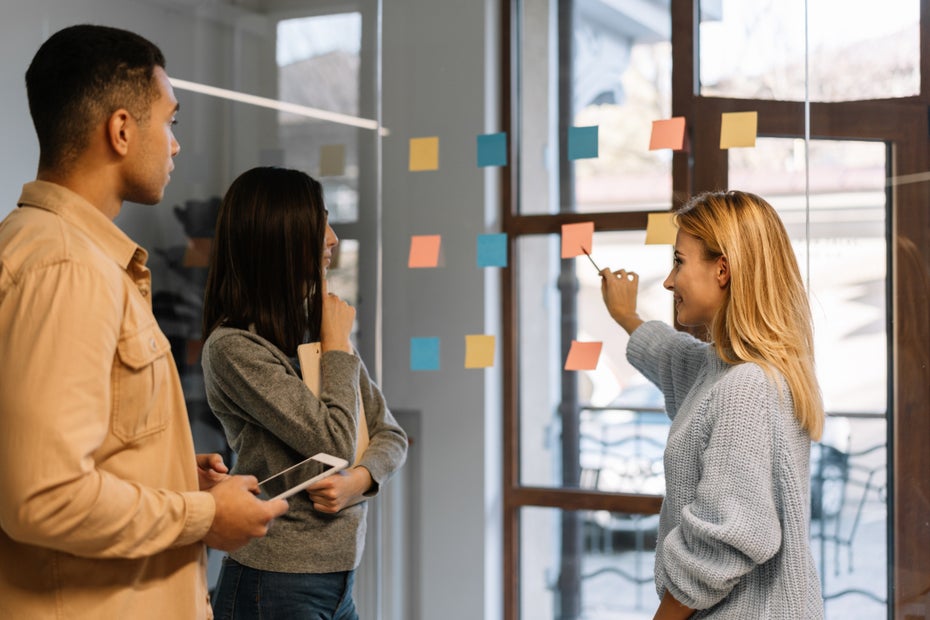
(765,317)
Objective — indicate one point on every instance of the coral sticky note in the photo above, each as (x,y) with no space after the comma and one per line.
(424,154)
(575,237)
(738,129)
(583,355)
(424,251)
(492,250)
(661,229)
(668,134)
(582,142)
(333,160)
(492,149)
(479,351)
(424,354)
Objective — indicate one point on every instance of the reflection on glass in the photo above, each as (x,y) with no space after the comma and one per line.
(318,66)
(595,565)
(754,49)
(617,59)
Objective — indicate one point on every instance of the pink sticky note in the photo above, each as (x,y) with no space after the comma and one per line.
(583,355)
(575,237)
(424,251)
(668,134)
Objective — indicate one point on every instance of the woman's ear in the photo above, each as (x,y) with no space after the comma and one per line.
(119,131)
(723,272)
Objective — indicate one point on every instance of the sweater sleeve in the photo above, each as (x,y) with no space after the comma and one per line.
(668,358)
(387,448)
(246,379)
(733,523)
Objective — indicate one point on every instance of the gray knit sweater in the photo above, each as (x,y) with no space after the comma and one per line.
(733,531)
(272,421)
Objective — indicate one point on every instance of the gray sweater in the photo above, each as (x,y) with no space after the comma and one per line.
(272,420)
(733,531)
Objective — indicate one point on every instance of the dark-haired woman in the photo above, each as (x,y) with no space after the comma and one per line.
(265,296)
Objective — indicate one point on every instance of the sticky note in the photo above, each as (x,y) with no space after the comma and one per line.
(197,253)
(333,160)
(583,355)
(582,142)
(492,250)
(479,351)
(424,354)
(424,251)
(492,149)
(661,229)
(424,154)
(738,129)
(668,134)
(575,237)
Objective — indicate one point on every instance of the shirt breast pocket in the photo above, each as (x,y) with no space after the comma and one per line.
(139,401)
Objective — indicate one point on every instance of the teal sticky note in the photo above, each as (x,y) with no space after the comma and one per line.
(492,149)
(492,250)
(582,142)
(424,354)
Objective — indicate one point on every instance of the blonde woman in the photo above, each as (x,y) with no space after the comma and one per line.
(733,531)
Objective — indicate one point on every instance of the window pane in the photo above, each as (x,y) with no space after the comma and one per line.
(318,67)
(755,49)
(620,76)
(595,565)
(560,440)
(845,257)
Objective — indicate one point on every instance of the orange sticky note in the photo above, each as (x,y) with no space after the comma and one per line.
(738,129)
(668,134)
(479,351)
(661,229)
(583,355)
(424,154)
(424,251)
(575,237)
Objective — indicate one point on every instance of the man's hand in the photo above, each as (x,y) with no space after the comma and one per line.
(210,470)
(240,515)
(342,489)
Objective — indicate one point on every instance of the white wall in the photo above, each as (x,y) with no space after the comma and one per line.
(440,78)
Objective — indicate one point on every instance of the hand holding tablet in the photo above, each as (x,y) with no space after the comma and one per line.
(298,477)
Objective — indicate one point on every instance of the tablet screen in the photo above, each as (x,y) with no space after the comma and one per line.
(293,477)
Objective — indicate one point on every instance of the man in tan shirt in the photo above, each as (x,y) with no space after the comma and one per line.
(104,508)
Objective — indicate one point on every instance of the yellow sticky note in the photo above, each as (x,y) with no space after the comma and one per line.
(424,251)
(738,129)
(583,355)
(668,134)
(661,229)
(333,160)
(479,351)
(575,237)
(424,154)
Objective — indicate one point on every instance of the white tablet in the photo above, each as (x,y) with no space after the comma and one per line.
(298,477)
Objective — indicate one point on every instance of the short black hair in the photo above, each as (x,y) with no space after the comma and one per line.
(267,258)
(79,77)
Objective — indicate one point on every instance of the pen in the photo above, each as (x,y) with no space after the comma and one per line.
(586,253)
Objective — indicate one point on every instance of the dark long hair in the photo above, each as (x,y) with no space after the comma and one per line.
(266,258)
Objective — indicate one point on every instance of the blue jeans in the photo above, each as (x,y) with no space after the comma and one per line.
(244,593)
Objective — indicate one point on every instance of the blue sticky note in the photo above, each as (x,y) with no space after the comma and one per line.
(582,142)
(424,354)
(492,250)
(492,149)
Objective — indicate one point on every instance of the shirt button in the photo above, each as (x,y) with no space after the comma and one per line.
(144,291)
(152,343)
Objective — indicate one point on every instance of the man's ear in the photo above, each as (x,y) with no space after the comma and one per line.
(723,271)
(119,128)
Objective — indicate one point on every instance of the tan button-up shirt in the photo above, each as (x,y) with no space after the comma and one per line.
(99,504)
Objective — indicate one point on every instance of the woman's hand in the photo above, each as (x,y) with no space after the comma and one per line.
(210,470)
(619,289)
(342,489)
(336,324)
